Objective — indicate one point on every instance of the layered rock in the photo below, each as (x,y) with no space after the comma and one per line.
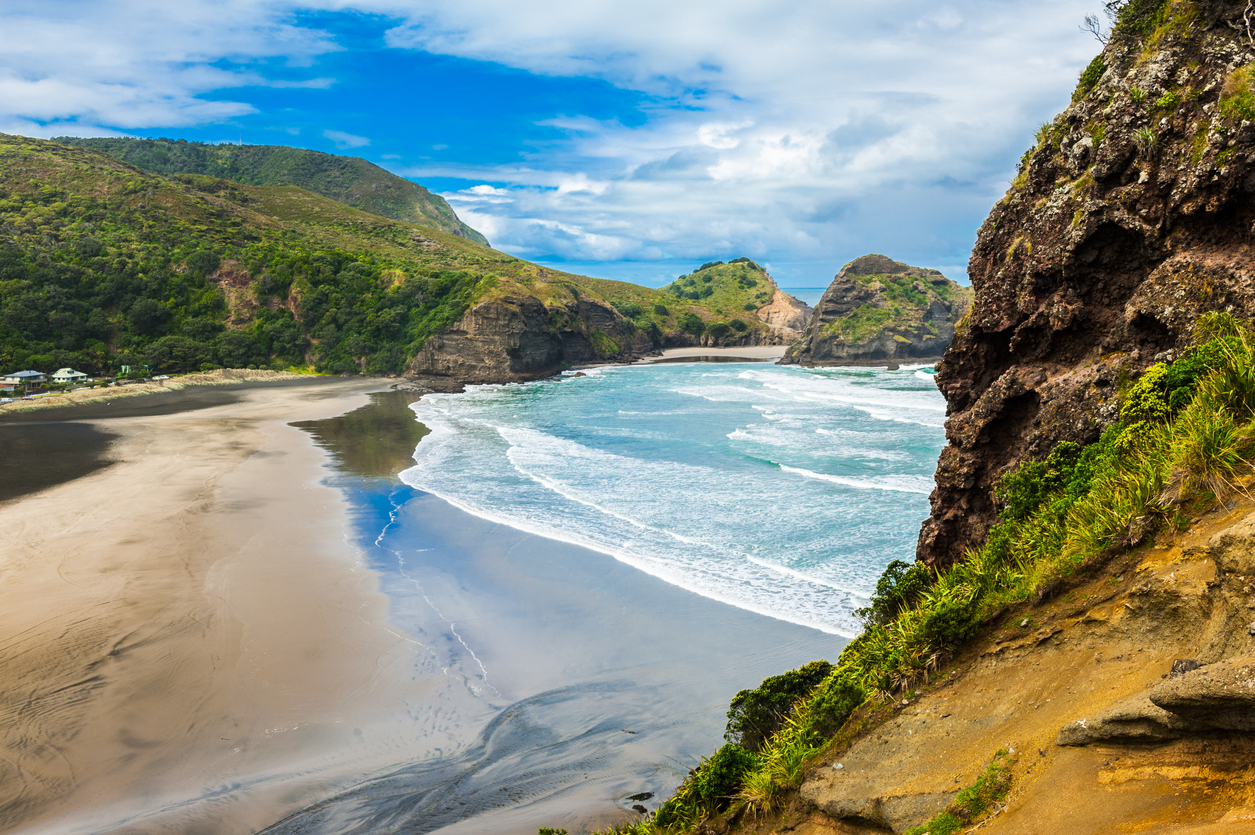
(521,338)
(878,309)
(1131,216)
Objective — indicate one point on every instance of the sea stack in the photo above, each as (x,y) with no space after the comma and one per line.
(881,310)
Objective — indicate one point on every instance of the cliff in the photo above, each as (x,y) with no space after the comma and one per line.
(1130,217)
(349,180)
(877,309)
(744,290)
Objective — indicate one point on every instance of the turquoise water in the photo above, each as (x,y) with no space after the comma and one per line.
(779,490)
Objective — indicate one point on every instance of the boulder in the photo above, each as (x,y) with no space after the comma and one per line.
(1220,695)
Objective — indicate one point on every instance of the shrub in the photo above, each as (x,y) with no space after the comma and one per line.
(1135,19)
(897,589)
(755,715)
(738,325)
(1090,76)
(661,310)
(692,323)
(718,329)
(719,778)
(629,309)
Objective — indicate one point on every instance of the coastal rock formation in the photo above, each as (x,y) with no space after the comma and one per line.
(878,309)
(745,292)
(1130,217)
(785,315)
(520,338)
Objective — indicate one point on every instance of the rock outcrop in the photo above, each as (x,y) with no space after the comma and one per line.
(520,338)
(878,309)
(742,290)
(1131,216)
(785,315)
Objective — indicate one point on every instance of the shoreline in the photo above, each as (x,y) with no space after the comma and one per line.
(241,641)
(185,626)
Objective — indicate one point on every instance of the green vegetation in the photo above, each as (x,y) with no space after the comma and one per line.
(1090,76)
(972,802)
(349,180)
(102,265)
(739,285)
(756,715)
(1237,99)
(1136,19)
(1185,436)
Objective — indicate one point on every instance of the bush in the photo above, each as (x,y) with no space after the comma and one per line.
(718,329)
(1090,76)
(719,778)
(897,589)
(661,310)
(691,323)
(738,325)
(755,715)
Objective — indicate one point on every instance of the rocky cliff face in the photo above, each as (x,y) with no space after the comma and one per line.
(521,338)
(878,309)
(785,315)
(1132,215)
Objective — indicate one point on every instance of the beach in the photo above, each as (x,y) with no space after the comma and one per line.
(186,620)
(221,626)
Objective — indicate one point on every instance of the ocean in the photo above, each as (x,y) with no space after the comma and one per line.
(780,490)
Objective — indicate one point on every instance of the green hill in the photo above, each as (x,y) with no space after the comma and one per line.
(103,264)
(349,180)
(733,288)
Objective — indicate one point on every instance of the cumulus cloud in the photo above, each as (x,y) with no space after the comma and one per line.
(812,130)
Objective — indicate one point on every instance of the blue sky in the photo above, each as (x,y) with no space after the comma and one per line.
(629,140)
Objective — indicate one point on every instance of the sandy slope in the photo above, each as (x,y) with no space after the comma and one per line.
(190,617)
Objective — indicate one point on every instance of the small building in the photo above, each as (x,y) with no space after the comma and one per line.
(25,378)
(68,375)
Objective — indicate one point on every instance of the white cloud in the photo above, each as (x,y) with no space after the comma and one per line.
(816,129)
(810,130)
(346,140)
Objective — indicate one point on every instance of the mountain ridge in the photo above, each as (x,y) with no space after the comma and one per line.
(350,180)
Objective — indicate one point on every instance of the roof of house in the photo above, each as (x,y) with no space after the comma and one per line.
(21,374)
(68,372)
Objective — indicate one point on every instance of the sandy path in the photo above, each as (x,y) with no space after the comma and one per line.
(186,629)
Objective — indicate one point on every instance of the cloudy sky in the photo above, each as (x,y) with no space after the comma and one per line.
(623,138)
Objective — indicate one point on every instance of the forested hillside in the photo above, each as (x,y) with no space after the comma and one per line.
(103,265)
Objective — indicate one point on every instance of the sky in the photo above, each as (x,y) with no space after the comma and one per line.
(630,139)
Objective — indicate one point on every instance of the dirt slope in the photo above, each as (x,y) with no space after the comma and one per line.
(1067,693)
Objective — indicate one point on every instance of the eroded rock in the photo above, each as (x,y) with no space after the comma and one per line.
(1220,695)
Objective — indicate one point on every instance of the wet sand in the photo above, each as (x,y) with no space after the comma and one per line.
(186,641)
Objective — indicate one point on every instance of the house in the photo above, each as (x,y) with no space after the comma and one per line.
(68,375)
(25,378)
